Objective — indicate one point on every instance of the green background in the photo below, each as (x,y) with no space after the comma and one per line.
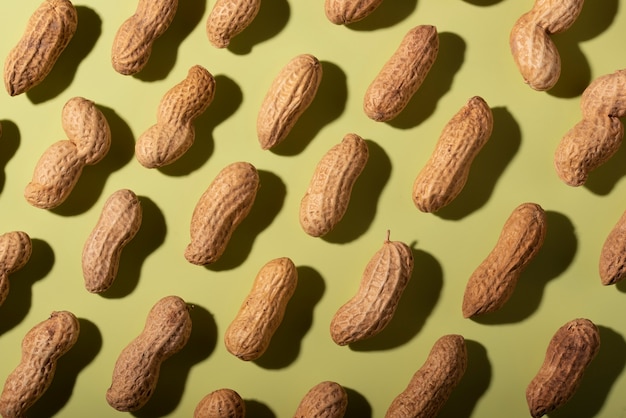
(516,166)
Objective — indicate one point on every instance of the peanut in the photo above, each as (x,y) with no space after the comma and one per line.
(324,400)
(402,75)
(222,207)
(136,372)
(382,284)
(15,251)
(249,334)
(221,403)
(229,18)
(492,283)
(48,32)
(597,137)
(534,52)
(290,94)
(119,222)
(570,351)
(59,168)
(326,200)
(443,177)
(134,39)
(345,12)
(612,264)
(42,346)
(432,384)
(174,132)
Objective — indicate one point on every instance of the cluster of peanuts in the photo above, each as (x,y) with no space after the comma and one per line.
(230,198)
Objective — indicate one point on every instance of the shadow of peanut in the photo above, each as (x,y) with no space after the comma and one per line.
(258,409)
(272,18)
(10,140)
(358,406)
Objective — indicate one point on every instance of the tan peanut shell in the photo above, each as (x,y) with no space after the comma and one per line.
(432,384)
(327,197)
(119,222)
(174,133)
(132,45)
(535,54)
(229,18)
(222,207)
(382,284)
(445,174)
(48,32)
(492,283)
(569,353)
(612,264)
(325,400)
(136,371)
(15,251)
(59,168)
(42,347)
(403,74)
(249,334)
(345,12)
(221,403)
(598,135)
(290,94)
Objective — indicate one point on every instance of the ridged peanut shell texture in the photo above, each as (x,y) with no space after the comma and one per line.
(328,195)
(222,207)
(117,225)
(249,334)
(288,97)
(42,347)
(325,400)
(612,266)
(432,384)
(15,251)
(368,312)
(221,403)
(229,18)
(132,45)
(174,133)
(403,74)
(50,28)
(569,353)
(136,371)
(492,283)
(345,12)
(446,172)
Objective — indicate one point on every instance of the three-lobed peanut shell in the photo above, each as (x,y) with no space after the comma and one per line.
(345,12)
(174,133)
(48,32)
(492,283)
(222,207)
(288,97)
(569,353)
(249,334)
(221,403)
(327,399)
(612,266)
(42,347)
(445,174)
(403,74)
(15,250)
(328,195)
(119,222)
(136,371)
(432,384)
(371,309)
(229,18)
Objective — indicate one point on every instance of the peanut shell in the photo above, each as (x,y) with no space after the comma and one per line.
(345,12)
(15,251)
(229,18)
(221,403)
(324,400)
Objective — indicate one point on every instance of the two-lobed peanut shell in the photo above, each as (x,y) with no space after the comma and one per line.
(327,399)
(371,309)
(289,95)
(612,266)
(221,403)
(229,18)
(328,195)
(222,207)
(446,172)
(48,32)
(403,74)
(492,283)
(345,12)
(569,353)
(15,251)
(432,384)
(249,334)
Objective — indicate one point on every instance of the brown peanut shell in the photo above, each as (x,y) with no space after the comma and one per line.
(345,12)
(221,403)
(15,251)
(612,264)
(229,18)
(325,400)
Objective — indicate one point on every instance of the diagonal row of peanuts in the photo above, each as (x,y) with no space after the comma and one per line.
(230,198)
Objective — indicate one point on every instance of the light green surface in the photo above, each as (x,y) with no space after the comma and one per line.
(505,349)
